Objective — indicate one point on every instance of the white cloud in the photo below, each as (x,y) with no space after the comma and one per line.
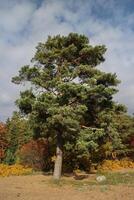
(14,18)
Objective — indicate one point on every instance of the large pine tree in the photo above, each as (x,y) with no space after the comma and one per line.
(70,100)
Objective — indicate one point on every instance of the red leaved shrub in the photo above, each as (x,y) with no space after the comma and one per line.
(35,154)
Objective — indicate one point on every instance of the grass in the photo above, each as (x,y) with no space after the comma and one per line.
(115,178)
(112,178)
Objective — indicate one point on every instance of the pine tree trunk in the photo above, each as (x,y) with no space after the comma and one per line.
(58,161)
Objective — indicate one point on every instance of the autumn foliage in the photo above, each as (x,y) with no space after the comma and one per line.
(35,154)
(116,164)
(17,169)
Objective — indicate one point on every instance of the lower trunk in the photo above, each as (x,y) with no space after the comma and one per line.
(58,161)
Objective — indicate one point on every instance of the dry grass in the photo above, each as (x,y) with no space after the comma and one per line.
(41,187)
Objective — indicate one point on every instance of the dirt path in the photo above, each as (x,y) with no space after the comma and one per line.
(36,187)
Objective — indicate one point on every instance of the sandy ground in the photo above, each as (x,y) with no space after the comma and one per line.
(36,187)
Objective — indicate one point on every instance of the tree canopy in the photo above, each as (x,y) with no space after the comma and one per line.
(70,100)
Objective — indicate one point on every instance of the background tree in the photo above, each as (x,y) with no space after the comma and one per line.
(70,100)
(3,141)
(125,127)
(18,133)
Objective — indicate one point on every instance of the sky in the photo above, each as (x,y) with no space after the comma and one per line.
(24,23)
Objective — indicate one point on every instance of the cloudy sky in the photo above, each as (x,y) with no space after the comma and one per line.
(24,23)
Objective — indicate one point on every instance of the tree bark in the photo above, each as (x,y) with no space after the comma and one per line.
(58,161)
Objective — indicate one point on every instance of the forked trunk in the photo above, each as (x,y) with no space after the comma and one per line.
(58,161)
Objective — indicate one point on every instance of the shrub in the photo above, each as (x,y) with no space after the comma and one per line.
(16,169)
(116,164)
(35,154)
